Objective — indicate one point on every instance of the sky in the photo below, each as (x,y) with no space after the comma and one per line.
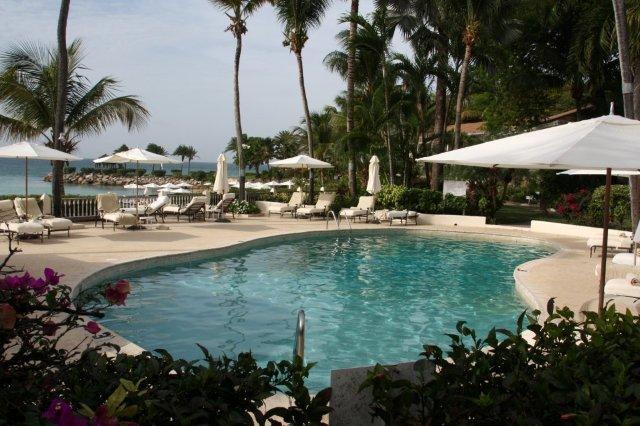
(176,56)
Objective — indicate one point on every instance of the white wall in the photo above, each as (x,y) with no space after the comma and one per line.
(455,187)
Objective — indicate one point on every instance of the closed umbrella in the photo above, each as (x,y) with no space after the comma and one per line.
(31,151)
(373,184)
(221,184)
(602,143)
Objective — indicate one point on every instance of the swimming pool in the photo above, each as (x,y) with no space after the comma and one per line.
(368,298)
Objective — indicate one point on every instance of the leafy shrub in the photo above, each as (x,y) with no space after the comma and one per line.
(108,171)
(140,172)
(584,372)
(159,173)
(176,172)
(87,170)
(571,206)
(343,201)
(620,207)
(69,169)
(243,207)
(453,205)
(198,175)
(398,197)
(391,196)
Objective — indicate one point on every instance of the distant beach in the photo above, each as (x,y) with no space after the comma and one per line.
(12,177)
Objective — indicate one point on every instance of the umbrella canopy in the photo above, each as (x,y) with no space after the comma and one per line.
(184,184)
(373,184)
(221,184)
(580,172)
(301,162)
(604,142)
(151,185)
(181,191)
(169,186)
(134,186)
(137,155)
(272,183)
(31,151)
(607,142)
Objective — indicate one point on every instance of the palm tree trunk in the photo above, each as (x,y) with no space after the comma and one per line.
(189,167)
(422,135)
(307,118)
(351,59)
(438,130)
(387,133)
(461,89)
(236,105)
(61,103)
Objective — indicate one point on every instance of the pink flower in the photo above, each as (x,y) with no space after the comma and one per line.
(101,417)
(92,327)
(8,316)
(116,295)
(52,276)
(60,413)
(123,286)
(49,328)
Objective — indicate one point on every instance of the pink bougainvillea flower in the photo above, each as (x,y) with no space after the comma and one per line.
(123,286)
(114,296)
(49,328)
(101,417)
(92,327)
(39,286)
(60,413)
(8,316)
(52,276)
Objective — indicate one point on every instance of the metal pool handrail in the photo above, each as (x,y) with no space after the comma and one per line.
(298,344)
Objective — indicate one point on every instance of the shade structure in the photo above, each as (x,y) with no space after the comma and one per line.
(184,184)
(151,185)
(32,151)
(301,162)
(588,172)
(169,186)
(221,184)
(607,142)
(373,184)
(136,156)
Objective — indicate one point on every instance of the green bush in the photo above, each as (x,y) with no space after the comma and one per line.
(620,207)
(109,171)
(198,175)
(140,172)
(176,173)
(87,170)
(453,205)
(398,197)
(391,197)
(581,372)
(159,173)
(243,207)
(69,169)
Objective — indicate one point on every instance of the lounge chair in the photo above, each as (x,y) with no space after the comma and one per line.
(630,258)
(403,216)
(192,210)
(33,212)
(628,286)
(109,210)
(10,222)
(153,209)
(325,200)
(223,205)
(296,200)
(614,242)
(364,208)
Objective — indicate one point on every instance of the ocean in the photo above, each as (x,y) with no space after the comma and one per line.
(12,177)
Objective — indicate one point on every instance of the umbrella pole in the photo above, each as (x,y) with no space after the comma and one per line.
(137,190)
(605,240)
(26,187)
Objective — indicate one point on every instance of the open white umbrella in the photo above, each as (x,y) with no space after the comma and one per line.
(137,156)
(301,162)
(607,142)
(221,184)
(587,172)
(31,151)
(151,185)
(184,184)
(181,191)
(373,184)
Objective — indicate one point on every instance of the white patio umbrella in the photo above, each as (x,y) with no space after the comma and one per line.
(580,172)
(181,191)
(151,185)
(184,184)
(607,142)
(302,161)
(373,184)
(169,186)
(133,186)
(137,156)
(31,151)
(221,183)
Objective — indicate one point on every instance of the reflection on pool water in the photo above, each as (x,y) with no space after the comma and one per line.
(368,298)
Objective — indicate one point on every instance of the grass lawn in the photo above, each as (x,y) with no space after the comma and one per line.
(522,214)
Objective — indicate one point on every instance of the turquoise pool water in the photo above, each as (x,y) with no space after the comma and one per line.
(368,298)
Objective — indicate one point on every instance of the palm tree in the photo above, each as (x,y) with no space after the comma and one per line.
(156,149)
(351,59)
(238,11)
(298,17)
(28,84)
(190,153)
(480,17)
(182,152)
(61,104)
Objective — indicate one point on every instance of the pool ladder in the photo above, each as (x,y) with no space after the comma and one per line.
(298,344)
(335,219)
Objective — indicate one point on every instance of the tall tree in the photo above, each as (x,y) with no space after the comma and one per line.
(238,11)
(298,18)
(60,106)
(156,149)
(190,153)
(490,18)
(181,151)
(351,59)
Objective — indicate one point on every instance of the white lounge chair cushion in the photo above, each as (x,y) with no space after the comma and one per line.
(56,223)
(401,214)
(622,287)
(172,209)
(124,219)
(152,208)
(612,242)
(625,259)
(310,210)
(280,208)
(353,212)
(24,228)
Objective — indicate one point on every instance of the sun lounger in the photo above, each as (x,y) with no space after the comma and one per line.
(325,200)
(628,286)
(297,198)
(10,222)
(153,209)
(363,209)
(403,216)
(109,210)
(223,205)
(33,212)
(631,258)
(192,210)
(614,242)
